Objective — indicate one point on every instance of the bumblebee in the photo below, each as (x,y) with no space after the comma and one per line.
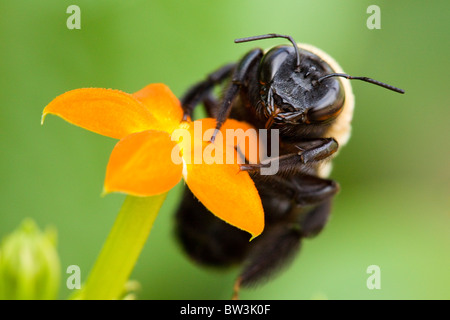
(302,92)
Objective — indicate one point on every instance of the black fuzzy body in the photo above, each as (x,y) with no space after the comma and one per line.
(297,200)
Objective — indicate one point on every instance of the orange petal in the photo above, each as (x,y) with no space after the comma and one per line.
(220,185)
(162,103)
(233,134)
(141,164)
(242,136)
(228,193)
(109,112)
(235,124)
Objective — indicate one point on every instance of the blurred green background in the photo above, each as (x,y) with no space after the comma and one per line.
(393,208)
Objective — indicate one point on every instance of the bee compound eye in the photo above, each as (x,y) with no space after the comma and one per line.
(328,107)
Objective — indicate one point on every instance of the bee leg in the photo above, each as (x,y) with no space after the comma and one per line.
(211,105)
(309,152)
(316,219)
(306,190)
(236,289)
(246,67)
(270,253)
(311,190)
(199,91)
(279,246)
(320,150)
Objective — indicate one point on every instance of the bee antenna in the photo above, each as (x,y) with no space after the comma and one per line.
(378,83)
(270,36)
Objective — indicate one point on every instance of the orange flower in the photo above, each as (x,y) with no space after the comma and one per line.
(152,136)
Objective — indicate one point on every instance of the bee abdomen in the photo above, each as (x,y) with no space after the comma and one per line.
(207,239)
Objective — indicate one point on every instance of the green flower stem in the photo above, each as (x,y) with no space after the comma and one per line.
(122,248)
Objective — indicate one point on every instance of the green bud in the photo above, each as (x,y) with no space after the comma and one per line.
(29,264)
